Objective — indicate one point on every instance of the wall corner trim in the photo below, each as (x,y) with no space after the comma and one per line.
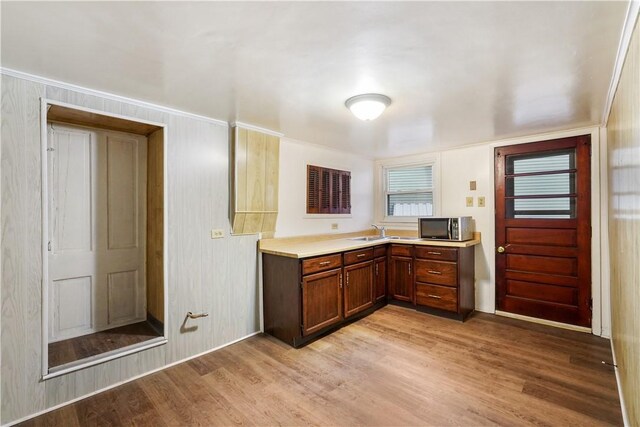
(113,97)
(623,48)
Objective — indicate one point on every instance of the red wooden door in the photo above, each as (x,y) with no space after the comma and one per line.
(543,229)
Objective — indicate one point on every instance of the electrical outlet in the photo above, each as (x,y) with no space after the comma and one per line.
(334,226)
(217,233)
(481,202)
(469,202)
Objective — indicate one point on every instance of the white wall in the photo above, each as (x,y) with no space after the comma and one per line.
(292,217)
(458,167)
(475,163)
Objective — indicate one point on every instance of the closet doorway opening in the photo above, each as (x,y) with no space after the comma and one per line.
(103,237)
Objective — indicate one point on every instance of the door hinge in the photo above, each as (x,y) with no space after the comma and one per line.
(49,246)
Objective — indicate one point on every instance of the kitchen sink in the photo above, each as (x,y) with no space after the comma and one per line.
(374,238)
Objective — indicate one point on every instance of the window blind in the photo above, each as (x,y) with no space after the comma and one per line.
(410,191)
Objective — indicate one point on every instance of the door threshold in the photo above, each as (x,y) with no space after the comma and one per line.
(103,357)
(545,322)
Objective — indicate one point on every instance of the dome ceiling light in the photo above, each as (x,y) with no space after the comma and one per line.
(368,106)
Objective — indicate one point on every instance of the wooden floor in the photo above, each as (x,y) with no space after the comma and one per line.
(77,348)
(394,367)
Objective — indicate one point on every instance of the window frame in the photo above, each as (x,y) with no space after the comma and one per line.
(383,166)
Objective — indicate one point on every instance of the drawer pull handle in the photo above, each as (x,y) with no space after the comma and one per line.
(434,253)
(434,272)
(325,263)
(434,296)
(361,255)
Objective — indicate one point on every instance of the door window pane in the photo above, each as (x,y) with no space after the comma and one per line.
(533,180)
(543,162)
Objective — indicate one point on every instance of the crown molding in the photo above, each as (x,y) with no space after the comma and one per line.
(623,48)
(256,128)
(106,95)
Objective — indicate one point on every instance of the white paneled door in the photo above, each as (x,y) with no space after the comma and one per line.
(97,228)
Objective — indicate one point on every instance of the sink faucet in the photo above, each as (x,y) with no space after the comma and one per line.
(379,228)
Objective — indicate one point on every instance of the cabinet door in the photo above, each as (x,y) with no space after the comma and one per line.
(321,300)
(358,288)
(401,284)
(380,278)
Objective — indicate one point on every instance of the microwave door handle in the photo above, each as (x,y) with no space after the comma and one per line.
(450,228)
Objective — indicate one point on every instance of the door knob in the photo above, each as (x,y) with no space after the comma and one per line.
(500,249)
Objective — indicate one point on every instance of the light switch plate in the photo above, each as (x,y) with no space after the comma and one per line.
(217,233)
(469,202)
(481,202)
(334,226)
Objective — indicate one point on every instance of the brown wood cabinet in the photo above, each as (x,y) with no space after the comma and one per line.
(321,300)
(358,287)
(445,279)
(401,278)
(380,278)
(304,298)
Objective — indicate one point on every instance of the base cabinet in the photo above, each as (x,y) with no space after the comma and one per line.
(401,278)
(305,298)
(380,279)
(358,288)
(321,300)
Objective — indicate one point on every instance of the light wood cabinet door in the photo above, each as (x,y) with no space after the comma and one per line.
(358,288)
(321,300)
(402,278)
(380,279)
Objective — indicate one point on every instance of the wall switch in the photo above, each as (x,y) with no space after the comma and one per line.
(469,202)
(334,226)
(217,233)
(472,185)
(481,202)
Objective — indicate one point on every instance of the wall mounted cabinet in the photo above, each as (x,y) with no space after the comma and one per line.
(255,168)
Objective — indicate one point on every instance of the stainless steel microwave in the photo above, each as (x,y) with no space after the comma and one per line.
(456,229)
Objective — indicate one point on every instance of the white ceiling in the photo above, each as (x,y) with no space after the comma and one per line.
(457,73)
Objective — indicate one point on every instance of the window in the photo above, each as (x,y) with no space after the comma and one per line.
(541,185)
(409,191)
(328,191)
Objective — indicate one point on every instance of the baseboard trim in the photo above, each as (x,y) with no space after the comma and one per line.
(153,371)
(544,322)
(623,408)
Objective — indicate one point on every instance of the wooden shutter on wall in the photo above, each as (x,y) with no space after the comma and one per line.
(313,189)
(345,192)
(328,190)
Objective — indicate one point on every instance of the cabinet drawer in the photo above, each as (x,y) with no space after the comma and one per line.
(437,253)
(402,250)
(358,256)
(380,251)
(441,297)
(321,263)
(438,272)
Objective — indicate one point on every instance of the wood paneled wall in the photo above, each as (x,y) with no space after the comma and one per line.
(155,225)
(623,139)
(216,276)
(256,159)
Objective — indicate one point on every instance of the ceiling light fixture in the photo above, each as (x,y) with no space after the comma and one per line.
(368,106)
